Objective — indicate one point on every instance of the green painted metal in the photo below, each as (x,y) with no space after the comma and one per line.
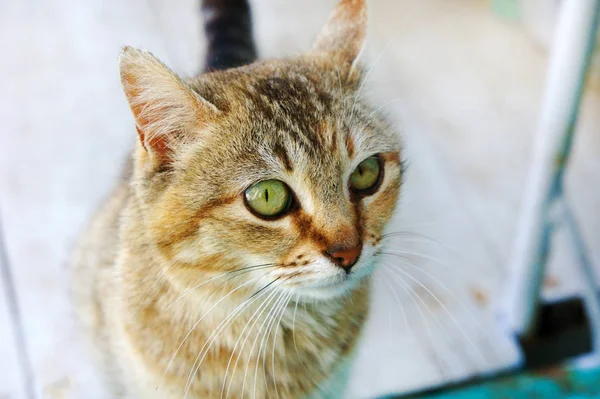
(554,383)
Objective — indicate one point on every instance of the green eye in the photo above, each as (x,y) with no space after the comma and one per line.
(268,198)
(366,175)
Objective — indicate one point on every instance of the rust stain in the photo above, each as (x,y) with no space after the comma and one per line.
(558,375)
(554,373)
(480,296)
(551,282)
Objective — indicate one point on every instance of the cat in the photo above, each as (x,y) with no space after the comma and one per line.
(235,257)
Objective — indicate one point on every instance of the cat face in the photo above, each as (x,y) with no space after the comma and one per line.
(277,170)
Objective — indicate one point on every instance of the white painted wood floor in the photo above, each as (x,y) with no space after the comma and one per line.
(465,85)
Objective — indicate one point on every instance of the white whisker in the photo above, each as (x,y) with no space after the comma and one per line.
(265,340)
(158,278)
(447,290)
(294,334)
(456,323)
(212,338)
(259,356)
(412,294)
(283,309)
(399,304)
(273,297)
(399,253)
(261,306)
(196,325)
(412,236)
(368,74)
(238,273)
(383,106)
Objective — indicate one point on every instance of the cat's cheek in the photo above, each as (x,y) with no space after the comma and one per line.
(187,254)
(378,210)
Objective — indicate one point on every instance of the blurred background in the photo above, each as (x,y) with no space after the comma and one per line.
(464,80)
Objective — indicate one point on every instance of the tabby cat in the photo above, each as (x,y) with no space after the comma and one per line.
(235,258)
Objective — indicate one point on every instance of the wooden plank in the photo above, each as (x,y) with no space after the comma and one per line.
(13,368)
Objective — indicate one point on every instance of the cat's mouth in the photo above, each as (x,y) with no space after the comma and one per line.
(335,286)
(322,279)
(328,289)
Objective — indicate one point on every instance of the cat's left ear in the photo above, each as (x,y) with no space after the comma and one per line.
(166,109)
(344,34)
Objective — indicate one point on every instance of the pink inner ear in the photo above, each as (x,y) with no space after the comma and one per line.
(142,137)
(158,146)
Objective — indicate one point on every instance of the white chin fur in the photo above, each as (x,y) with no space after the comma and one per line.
(326,292)
(335,282)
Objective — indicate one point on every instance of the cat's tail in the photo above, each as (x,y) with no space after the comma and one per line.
(228,28)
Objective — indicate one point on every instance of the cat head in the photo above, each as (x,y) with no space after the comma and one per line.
(278,170)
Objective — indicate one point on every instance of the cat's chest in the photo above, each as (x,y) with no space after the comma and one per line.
(294,351)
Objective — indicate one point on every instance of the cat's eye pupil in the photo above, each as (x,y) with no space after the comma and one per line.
(268,198)
(366,176)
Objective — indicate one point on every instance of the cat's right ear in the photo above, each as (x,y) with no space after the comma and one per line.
(165,108)
(343,36)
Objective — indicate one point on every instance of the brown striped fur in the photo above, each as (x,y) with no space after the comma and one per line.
(179,220)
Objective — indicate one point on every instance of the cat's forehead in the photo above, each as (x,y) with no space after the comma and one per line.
(292,119)
(274,87)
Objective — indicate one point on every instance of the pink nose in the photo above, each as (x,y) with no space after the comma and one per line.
(344,257)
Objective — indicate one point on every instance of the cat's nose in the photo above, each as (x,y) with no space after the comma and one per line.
(344,256)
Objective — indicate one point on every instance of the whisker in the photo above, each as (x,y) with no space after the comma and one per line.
(409,224)
(294,334)
(412,294)
(258,355)
(272,297)
(456,323)
(238,273)
(447,290)
(283,309)
(389,309)
(399,254)
(196,325)
(412,236)
(265,287)
(212,338)
(261,306)
(308,374)
(242,271)
(425,304)
(368,74)
(158,278)
(265,341)
(383,106)
(399,304)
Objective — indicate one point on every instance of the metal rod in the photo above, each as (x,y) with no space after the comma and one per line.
(574,40)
